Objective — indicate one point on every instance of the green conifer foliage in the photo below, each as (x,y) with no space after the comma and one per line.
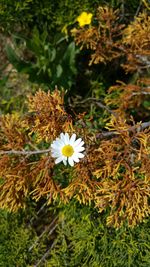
(85,241)
(15,240)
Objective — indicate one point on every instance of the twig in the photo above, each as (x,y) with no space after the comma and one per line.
(141,93)
(101,135)
(138,9)
(144,60)
(35,216)
(97,102)
(112,134)
(23,152)
(48,229)
(45,255)
(122,8)
(143,126)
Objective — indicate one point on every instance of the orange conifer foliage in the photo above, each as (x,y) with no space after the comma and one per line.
(136,43)
(114,175)
(15,184)
(128,96)
(110,40)
(12,131)
(103,39)
(49,117)
(42,178)
(124,175)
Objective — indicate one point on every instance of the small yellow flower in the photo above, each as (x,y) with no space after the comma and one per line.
(84,18)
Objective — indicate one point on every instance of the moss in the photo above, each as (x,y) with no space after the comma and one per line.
(84,241)
(15,240)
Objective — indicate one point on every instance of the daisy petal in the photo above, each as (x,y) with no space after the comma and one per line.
(57,144)
(65,162)
(72,139)
(57,149)
(80,155)
(79,149)
(75,158)
(66,138)
(58,160)
(62,137)
(70,160)
(81,144)
(77,142)
(56,155)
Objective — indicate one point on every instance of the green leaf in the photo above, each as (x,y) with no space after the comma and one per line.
(146,104)
(69,57)
(14,59)
(59,70)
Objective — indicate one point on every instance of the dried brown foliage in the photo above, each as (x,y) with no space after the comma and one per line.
(128,96)
(124,175)
(15,185)
(12,131)
(109,39)
(103,39)
(136,42)
(49,116)
(114,175)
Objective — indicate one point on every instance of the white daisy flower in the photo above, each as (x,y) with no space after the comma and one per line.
(67,148)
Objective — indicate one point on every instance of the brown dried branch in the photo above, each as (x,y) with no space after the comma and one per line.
(96,102)
(23,152)
(141,93)
(49,230)
(101,135)
(45,255)
(138,9)
(112,134)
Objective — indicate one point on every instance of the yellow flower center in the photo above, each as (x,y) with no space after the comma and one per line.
(67,151)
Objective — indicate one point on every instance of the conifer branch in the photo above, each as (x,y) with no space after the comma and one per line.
(101,135)
(141,93)
(138,9)
(112,134)
(96,102)
(24,152)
